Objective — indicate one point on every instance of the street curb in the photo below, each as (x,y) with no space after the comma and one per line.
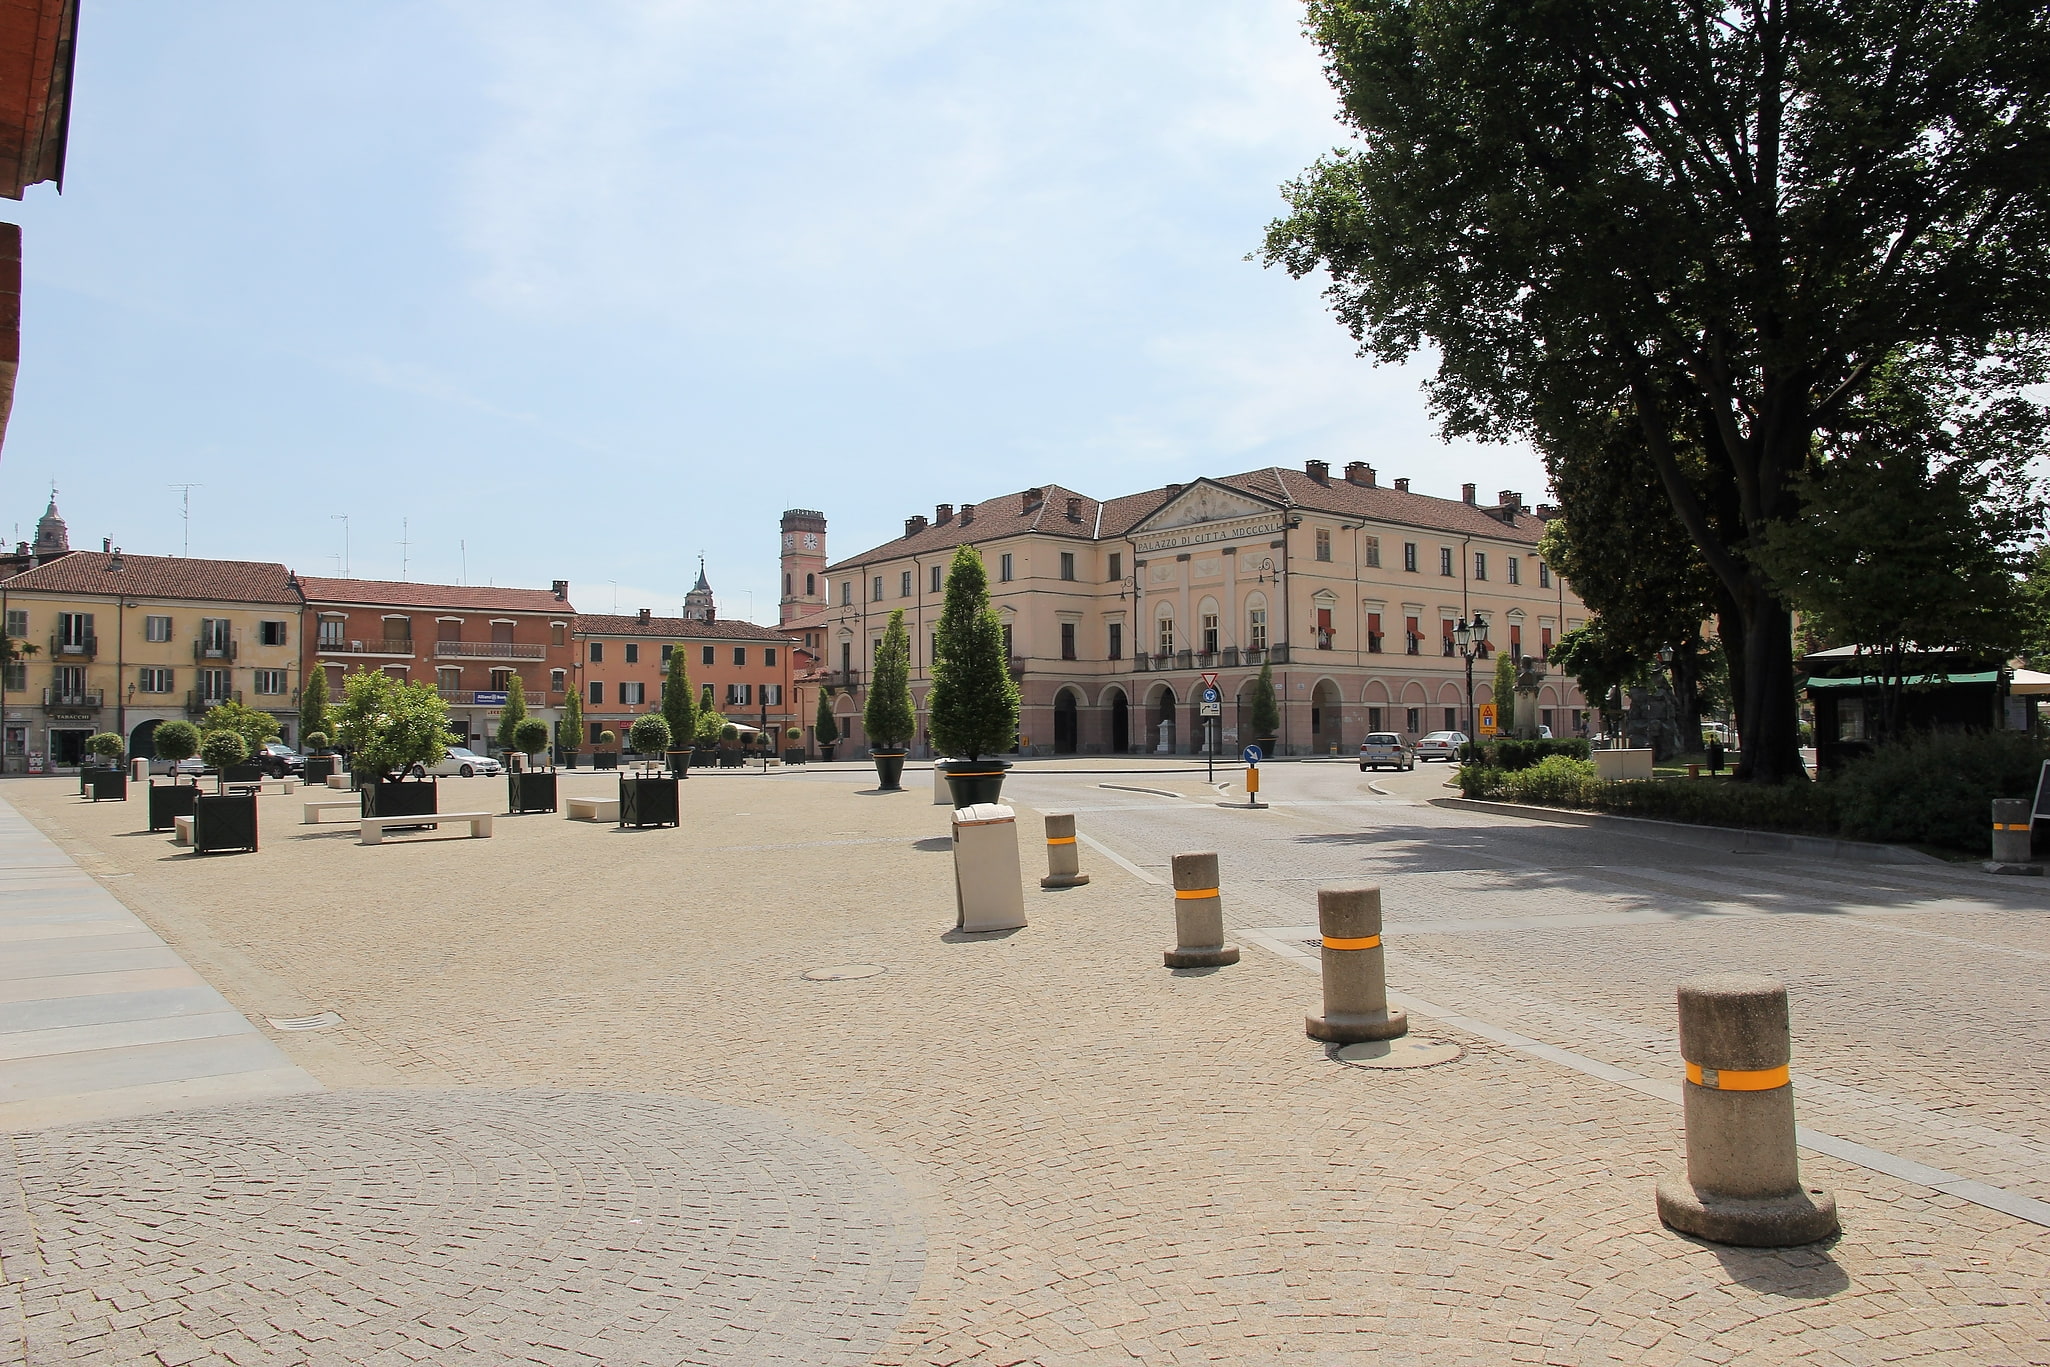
(1731,838)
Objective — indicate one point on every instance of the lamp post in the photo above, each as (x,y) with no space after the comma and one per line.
(1471,638)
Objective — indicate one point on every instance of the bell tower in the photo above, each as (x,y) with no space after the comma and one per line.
(804,564)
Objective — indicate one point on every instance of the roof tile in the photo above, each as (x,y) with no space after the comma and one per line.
(161,576)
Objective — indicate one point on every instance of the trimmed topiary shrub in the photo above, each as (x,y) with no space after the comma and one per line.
(105,746)
(1510,754)
(531,735)
(221,749)
(649,735)
(175,740)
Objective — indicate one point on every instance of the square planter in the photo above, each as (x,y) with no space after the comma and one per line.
(605,759)
(647,800)
(108,783)
(224,823)
(318,767)
(794,755)
(168,800)
(530,792)
(405,797)
(244,773)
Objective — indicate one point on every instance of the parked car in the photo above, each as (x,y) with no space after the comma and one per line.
(1441,745)
(277,759)
(461,762)
(1386,748)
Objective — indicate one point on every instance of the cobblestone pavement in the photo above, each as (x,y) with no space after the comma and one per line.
(1115,1163)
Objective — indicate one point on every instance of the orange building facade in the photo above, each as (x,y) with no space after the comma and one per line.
(743,671)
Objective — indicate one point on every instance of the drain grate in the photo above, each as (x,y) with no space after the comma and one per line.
(320,1022)
(840,973)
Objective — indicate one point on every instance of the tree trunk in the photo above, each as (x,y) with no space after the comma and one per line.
(1687,698)
(1768,714)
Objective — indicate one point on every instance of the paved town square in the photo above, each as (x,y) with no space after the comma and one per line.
(737,1092)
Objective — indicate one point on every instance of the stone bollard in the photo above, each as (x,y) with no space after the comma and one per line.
(2012,825)
(1355,973)
(1198,916)
(1063,867)
(1742,1184)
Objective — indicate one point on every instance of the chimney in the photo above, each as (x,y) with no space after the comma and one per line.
(646,613)
(1360,473)
(106,543)
(1546,512)
(1466,495)
(1174,489)
(914,524)
(1402,485)
(1319,470)
(942,514)
(561,590)
(1031,499)
(1074,510)
(967,513)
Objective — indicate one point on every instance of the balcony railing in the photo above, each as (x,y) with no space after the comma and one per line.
(1206,659)
(849,679)
(488,650)
(1142,663)
(402,646)
(1325,639)
(202,651)
(198,704)
(89,647)
(88,700)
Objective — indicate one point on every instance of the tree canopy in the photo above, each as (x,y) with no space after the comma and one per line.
(1717,219)
(388,725)
(887,715)
(679,700)
(972,708)
(254,727)
(313,701)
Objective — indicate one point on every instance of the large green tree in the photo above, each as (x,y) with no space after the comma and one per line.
(679,700)
(390,726)
(887,716)
(972,708)
(256,728)
(1718,218)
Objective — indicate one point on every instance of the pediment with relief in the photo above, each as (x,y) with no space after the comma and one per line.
(1201,502)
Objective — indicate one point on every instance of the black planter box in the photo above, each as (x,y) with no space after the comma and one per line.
(415,797)
(168,800)
(647,801)
(224,823)
(679,762)
(605,759)
(794,755)
(319,768)
(530,792)
(244,773)
(108,783)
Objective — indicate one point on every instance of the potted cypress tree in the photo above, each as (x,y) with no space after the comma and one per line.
(606,756)
(887,714)
(532,788)
(106,777)
(569,732)
(648,798)
(509,718)
(223,820)
(395,732)
(825,727)
(1263,713)
(972,710)
(175,741)
(680,710)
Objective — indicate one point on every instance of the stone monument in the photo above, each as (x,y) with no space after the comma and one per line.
(1530,676)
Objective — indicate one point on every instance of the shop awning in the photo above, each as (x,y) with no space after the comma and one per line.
(1920,680)
(2027,681)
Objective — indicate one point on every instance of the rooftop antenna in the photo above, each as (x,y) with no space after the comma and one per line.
(463,550)
(343,518)
(615,595)
(405,545)
(184,509)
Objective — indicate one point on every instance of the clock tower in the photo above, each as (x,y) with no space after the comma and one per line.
(804,564)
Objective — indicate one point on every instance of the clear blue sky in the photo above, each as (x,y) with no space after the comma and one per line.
(591,287)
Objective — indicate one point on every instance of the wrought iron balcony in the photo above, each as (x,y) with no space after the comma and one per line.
(202,651)
(401,647)
(488,650)
(80,700)
(89,647)
(198,704)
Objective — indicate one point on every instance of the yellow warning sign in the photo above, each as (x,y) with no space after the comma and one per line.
(1485,718)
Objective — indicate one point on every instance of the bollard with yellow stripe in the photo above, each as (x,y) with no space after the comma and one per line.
(1063,864)
(1742,1183)
(1355,970)
(2013,823)
(1198,916)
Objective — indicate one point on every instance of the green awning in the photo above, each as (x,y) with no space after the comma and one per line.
(1911,680)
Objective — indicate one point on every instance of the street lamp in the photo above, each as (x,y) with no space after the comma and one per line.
(1472,639)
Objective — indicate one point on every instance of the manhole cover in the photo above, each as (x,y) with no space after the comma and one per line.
(1407,1052)
(319,1022)
(840,973)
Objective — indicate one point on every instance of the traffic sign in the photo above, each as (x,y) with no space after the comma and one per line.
(1486,719)
(1210,707)
(1252,755)
(1210,678)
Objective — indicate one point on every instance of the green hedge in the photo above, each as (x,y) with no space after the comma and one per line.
(1510,754)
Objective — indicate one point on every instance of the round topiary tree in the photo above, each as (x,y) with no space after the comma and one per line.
(711,726)
(106,746)
(531,736)
(972,710)
(220,749)
(608,738)
(175,741)
(649,735)
(317,741)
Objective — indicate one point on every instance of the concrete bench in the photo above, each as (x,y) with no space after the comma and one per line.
(265,785)
(181,830)
(338,781)
(592,808)
(373,827)
(314,809)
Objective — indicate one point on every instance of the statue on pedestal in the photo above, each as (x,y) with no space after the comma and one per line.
(1530,676)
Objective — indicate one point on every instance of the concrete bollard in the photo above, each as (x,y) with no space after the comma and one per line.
(1742,1184)
(1198,916)
(1355,973)
(138,771)
(1063,863)
(2012,825)
(942,791)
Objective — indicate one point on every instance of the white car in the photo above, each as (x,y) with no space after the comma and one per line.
(460,762)
(1385,747)
(1440,745)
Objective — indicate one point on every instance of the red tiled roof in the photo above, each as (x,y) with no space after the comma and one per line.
(674,628)
(161,576)
(1013,514)
(395,593)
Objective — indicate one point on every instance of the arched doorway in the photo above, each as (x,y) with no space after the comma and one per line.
(1327,718)
(1160,734)
(1065,728)
(142,741)
(1120,722)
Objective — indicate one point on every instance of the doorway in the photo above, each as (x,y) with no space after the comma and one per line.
(1065,723)
(67,748)
(1120,722)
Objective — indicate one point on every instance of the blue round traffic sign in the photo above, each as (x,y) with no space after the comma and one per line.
(1252,754)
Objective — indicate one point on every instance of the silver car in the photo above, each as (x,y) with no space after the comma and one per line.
(1441,745)
(462,763)
(1385,748)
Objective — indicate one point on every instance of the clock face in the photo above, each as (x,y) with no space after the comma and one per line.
(788,541)
(811,541)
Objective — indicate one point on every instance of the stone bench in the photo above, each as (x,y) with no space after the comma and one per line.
(592,808)
(181,829)
(372,828)
(314,809)
(338,781)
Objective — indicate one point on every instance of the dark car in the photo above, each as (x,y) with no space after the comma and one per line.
(277,759)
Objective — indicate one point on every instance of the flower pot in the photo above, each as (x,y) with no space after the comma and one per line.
(530,791)
(318,767)
(889,769)
(169,800)
(647,800)
(975,780)
(224,823)
(399,797)
(679,763)
(569,760)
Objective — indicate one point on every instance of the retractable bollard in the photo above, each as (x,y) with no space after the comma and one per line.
(942,791)
(1742,1184)
(1198,916)
(138,771)
(988,884)
(1355,973)
(2012,821)
(1063,866)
